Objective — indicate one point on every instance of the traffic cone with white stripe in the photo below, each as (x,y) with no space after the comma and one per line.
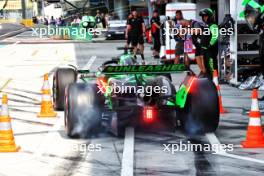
(162,52)
(215,80)
(7,141)
(46,103)
(254,138)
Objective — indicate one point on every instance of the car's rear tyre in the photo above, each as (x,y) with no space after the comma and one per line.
(61,78)
(83,110)
(201,112)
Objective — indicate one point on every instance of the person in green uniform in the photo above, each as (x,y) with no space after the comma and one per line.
(207,15)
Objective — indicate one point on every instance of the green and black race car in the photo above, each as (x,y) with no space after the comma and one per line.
(123,93)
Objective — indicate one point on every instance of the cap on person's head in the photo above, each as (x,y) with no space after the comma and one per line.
(97,11)
(155,11)
(206,12)
(209,13)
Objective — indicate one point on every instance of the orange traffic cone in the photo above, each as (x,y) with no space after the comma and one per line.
(215,80)
(7,141)
(255,138)
(46,103)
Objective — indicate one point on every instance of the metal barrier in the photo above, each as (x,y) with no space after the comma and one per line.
(25,22)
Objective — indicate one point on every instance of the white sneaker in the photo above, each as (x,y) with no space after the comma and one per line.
(261,87)
(250,83)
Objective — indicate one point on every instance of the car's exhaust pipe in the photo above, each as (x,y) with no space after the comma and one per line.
(147,100)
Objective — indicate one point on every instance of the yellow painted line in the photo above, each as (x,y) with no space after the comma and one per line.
(66,58)
(5,84)
(34,53)
(13,53)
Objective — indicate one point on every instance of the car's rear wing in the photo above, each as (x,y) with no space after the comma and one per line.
(133,69)
(144,69)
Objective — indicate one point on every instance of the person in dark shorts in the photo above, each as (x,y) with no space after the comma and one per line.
(127,34)
(201,37)
(137,31)
(155,31)
(179,48)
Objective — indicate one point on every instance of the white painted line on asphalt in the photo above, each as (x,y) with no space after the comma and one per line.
(214,140)
(17,42)
(241,157)
(89,63)
(7,34)
(12,45)
(8,47)
(127,168)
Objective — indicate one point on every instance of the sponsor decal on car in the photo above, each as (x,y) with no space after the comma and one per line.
(141,69)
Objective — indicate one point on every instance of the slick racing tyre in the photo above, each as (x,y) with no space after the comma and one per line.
(201,112)
(83,110)
(61,78)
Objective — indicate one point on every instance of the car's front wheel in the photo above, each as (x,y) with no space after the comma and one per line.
(61,78)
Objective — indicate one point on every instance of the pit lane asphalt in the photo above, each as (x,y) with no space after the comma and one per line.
(45,150)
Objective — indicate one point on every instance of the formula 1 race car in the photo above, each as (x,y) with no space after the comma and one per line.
(123,93)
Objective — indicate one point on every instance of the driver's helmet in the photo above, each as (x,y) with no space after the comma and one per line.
(126,60)
(207,12)
(88,22)
(253,14)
